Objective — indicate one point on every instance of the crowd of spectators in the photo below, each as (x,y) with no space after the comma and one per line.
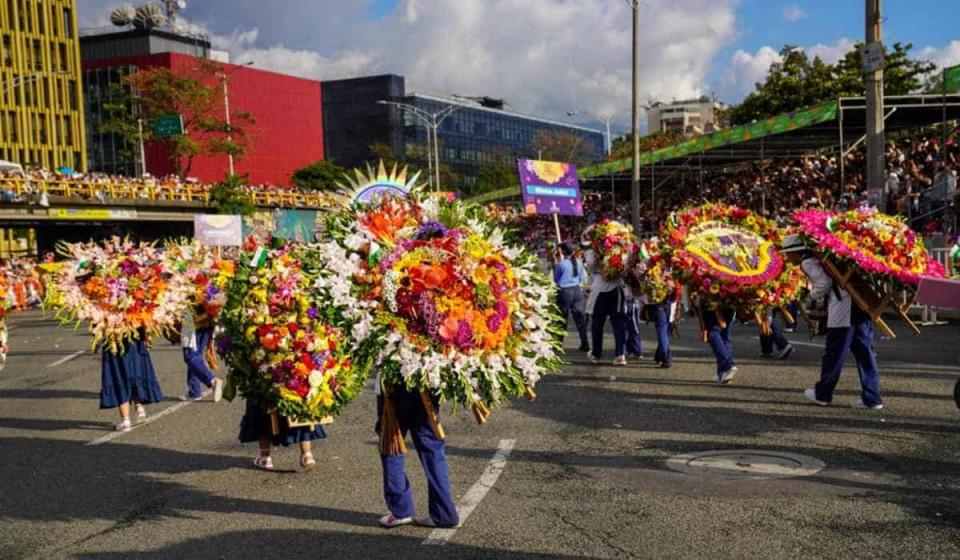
(917,187)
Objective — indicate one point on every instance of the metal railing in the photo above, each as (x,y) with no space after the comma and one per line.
(90,190)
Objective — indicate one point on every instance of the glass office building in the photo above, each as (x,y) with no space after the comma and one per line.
(473,135)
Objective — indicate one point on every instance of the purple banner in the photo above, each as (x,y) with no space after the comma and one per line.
(550,187)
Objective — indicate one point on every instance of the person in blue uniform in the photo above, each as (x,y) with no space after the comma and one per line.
(128,376)
(568,274)
(849,331)
(196,333)
(718,324)
(270,429)
(410,415)
(661,313)
(775,344)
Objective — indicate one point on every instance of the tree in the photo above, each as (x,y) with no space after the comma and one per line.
(228,197)
(150,93)
(623,145)
(323,175)
(796,81)
(560,145)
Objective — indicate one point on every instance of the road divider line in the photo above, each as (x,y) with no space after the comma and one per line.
(475,495)
(67,358)
(152,418)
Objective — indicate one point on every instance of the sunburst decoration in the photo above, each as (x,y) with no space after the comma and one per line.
(368,187)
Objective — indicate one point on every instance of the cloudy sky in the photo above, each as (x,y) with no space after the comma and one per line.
(550,56)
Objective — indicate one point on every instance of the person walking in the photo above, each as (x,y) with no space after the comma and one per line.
(128,376)
(718,324)
(607,300)
(268,429)
(849,330)
(196,336)
(774,344)
(568,275)
(400,411)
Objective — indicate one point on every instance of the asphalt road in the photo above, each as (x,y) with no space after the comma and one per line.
(586,477)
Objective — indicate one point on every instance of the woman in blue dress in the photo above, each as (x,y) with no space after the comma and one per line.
(272,429)
(128,376)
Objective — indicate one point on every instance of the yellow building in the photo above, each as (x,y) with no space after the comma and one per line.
(41,102)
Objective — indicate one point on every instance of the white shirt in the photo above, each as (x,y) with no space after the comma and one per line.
(188,331)
(599,283)
(838,309)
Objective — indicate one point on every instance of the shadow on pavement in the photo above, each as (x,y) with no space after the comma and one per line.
(292,544)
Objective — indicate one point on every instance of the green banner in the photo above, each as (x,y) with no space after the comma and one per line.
(767,127)
(951,79)
(167,126)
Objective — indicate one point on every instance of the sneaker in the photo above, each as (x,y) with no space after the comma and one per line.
(860,404)
(594,359)
(217,389)
(639,358)
(389,521)
(785,353)
(429,522)
(664,365)
(620,361)
(790,329)
(765,355)
(811,394)
(124,425)
(727,376)
(187,397)
(584,348)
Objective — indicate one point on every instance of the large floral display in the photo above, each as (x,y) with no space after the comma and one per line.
(207,272)
(279,337)
(729,257)
(122,290)
(650,272)
(613,243)
(883,247)
(439,302)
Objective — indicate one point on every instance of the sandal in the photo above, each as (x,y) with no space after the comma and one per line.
(389,521)
(307,462)
(124,425)
(141,414)
(263,462)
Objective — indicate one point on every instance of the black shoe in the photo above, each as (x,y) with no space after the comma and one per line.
(664,365)
(584,348)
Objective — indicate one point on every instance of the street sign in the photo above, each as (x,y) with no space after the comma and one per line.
(873,57)
(167,126)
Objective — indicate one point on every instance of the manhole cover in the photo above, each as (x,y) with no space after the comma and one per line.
(746,463)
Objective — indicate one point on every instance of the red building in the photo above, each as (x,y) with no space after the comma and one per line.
(288,113)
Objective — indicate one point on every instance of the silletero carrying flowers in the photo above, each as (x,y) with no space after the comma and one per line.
(124,291)
(207,273)
(728,257)
(613,243)
(440,302)
(876,257)
(280,342)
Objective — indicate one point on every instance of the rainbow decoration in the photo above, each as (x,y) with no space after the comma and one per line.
(366,188)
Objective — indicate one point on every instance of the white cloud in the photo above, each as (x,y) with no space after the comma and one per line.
(544,56)
(831,54)
(943,57)
(745,71)
(793,13)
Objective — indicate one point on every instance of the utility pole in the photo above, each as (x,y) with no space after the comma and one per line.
(873,79)
(635,183)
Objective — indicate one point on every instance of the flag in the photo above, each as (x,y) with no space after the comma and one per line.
(951,79)
(259,258)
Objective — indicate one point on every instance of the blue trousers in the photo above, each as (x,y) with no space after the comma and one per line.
(396,486)
(609,304)
(634,344)
(794,310)
(719,338)
(858,340)
(198,371)
(661,322)
(570,302)
(774,339)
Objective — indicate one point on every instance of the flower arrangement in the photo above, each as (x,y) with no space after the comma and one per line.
(613,243)
(440,302)
(279,340)
(120,288)
(728,256)
(207,273)
(881,246)
(651,273)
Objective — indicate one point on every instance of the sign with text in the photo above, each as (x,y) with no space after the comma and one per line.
(218,230)
(167,126)
(95,214)
(550,187)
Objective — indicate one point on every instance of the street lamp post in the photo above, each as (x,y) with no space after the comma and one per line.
(635,109)
(226,113)
(608,143)
(432,122)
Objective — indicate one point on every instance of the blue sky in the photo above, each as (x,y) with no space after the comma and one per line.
(549,56)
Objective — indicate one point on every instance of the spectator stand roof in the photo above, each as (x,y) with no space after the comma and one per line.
(826,126)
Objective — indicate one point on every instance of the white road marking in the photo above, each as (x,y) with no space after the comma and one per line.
(477,492)
(67,358)
(153,417)
(810,344)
